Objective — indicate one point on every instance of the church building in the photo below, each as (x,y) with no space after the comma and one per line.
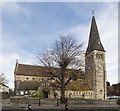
(29,77)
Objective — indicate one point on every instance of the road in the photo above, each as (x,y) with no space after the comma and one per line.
(61,110)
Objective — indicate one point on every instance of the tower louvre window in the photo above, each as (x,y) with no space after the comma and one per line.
(91,56)
(99,56)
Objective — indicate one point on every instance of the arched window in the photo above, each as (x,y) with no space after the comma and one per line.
(98,56)
(74,93)
(89,93)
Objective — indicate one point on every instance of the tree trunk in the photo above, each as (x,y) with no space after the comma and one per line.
(63,99)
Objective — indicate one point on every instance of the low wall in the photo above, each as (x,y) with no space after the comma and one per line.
(91,101)
(53,101)
(33,100)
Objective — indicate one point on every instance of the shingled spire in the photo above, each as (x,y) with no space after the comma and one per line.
(94,39)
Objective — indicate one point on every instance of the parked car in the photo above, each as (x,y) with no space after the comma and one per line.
(112,97)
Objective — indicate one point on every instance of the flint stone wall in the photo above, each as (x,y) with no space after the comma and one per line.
(53,101)
(91,101)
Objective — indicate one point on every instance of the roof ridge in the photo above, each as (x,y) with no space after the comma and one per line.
(32,65)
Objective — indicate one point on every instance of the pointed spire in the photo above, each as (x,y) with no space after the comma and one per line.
(93,12)
(94,39)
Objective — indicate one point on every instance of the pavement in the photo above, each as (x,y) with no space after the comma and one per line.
(60,110)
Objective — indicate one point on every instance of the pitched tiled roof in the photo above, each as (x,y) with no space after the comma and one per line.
(28,85)
(94,39)
(116,86)
(30,70)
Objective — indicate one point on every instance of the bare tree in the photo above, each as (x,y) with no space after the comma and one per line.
(64,62)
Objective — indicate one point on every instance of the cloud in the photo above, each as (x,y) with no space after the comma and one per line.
(109,36)
(11,8)
(11,51)
(14,9)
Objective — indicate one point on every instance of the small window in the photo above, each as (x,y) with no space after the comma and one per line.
(74,93)
(91,93)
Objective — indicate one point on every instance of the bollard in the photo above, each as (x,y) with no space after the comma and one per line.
(39,103)
(66,107)
(57,103)
(29,107)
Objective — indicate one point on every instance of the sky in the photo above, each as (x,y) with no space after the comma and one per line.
(28,28)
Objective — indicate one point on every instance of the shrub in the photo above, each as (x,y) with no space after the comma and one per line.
(5,95)
(118,101)
(11,92)
(38,94)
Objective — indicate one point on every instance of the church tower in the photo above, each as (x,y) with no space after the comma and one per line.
(95,66)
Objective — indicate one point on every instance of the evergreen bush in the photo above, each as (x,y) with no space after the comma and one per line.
(38,94)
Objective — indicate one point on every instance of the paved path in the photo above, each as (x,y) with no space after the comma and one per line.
(61,110)
(61,107)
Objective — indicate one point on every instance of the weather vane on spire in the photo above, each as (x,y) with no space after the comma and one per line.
(93,11)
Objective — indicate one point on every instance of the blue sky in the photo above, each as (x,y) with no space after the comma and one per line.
(31,27)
